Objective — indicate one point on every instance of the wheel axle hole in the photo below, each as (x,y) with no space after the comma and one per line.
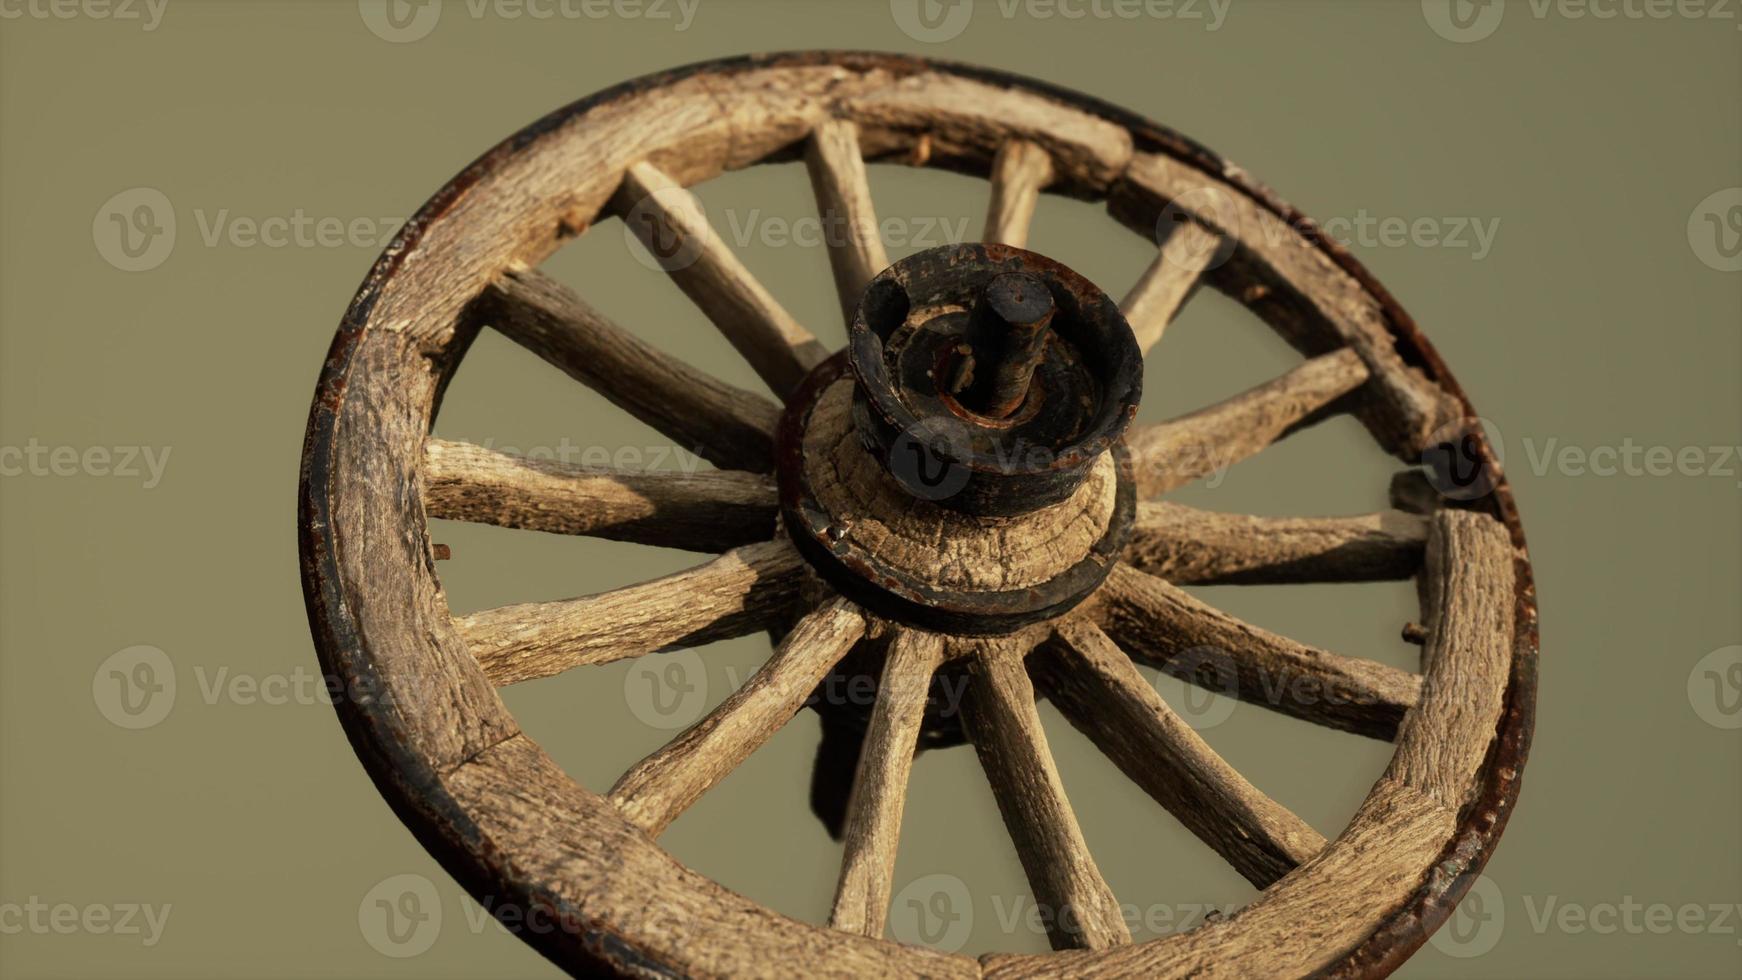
(885,307)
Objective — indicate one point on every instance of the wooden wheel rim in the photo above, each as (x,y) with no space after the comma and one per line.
(509,825)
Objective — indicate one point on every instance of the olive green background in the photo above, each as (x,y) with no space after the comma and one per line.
(1589,322)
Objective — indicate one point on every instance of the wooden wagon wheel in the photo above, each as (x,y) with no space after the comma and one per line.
(1064,568)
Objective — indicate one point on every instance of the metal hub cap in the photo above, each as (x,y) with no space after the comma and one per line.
(960,466)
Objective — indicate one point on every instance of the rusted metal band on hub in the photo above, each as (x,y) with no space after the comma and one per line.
(1017,396)
(899,595)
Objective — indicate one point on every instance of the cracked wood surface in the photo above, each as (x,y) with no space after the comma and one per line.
(740,592)
(660,787)
(1169,454)
(514,208)
(1161,625)
(1097,688)
(1186,545)
(708,510)
(843,192)
(672,224)
(724,425)
(873,826)
(1000,718)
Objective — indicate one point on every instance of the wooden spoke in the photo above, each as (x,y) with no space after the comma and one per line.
(724,425)
(1165,627)
(1186,545)
(670,222)
(708,510)
(1172,274)
(855,243)
(740,592)
(1412,491)
(446,752)
(663,785)
(1281,274)
(1168,454)
(880,786)
(1019,171)
(1002,722)
(1097,687)
(1467,607)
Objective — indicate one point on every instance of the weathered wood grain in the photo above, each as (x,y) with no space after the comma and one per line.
(931,543)
(1467,604)
(873,826)
(505,813)
(519,203)
(1168,454)
(1312,917)
(963,122)
(1412,491)
(1002,722)
(1100,691)
(1166,628)
(1019,172)
(670,221)
(725,425)
(377,555)
(606,889)
(1171,277)
(1186,545)
(774,108)
(1305,922)
(1296,287)
(843,192)
(656,790)
(707,510)
(740,592)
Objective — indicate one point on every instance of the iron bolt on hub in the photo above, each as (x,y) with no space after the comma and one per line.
(980,405)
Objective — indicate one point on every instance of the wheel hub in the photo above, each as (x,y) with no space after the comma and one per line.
(959,467)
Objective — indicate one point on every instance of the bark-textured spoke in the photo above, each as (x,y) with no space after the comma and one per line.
(707,510)
(663,785)
(1097,687)
(1412,491)
(1187,545)
(1172,274)
(837,171)
(880,786)
(1468,608)
(1279,271)
(1019,172)
(1168,454)
(1166,628)
(740,592)
(1002,722)
(670,221)
(725,425)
